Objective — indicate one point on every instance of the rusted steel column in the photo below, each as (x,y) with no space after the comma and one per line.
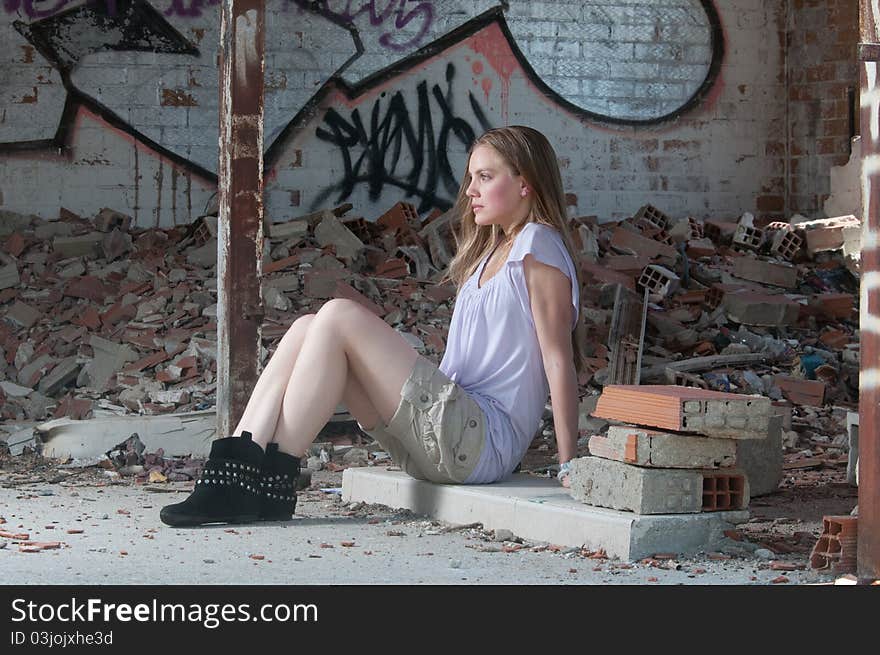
(240,230)
(869,319)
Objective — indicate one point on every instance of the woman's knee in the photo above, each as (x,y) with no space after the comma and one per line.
(339,312)
(299,325)
(295,333)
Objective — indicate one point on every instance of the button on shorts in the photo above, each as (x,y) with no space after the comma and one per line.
(437,432)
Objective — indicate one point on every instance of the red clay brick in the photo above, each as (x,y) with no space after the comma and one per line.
(147,362)
(801,392)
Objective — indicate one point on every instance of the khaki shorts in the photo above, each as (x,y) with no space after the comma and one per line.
(437,432)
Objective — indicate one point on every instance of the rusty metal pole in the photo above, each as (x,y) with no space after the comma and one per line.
(869,318)
(240,227)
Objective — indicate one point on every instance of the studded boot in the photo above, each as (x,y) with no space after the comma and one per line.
(278,485)
(227,491)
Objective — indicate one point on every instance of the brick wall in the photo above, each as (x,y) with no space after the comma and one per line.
(681,103)
(823,78)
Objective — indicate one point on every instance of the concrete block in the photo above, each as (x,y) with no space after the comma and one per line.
(651,448)
(751,308)
(290,229)
(13,390)
(538,509)
(52,229)
(30,374)
(205,255)
(9,276)
(606,483)
(13,222)
(22,315)
(288,282)
(761,459)
(63,373)
(108,358)
(331,231)
(87,245)
(757,270)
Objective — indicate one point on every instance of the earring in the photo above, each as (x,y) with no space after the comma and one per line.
(524,192)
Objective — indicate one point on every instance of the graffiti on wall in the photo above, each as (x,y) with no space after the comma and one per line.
(38,9)
(374,154)
(405,22)
(602,62)
(65,38)
(638,62)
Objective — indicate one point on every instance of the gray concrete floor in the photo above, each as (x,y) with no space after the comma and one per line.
(123,542)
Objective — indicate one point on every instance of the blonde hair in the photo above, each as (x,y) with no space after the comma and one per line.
(528,153)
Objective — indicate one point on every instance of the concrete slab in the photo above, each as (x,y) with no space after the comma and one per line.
(188,433)
(540,510)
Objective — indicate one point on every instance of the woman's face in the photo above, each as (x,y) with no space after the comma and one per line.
(496,194)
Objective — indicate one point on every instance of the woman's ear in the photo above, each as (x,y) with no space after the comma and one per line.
(524,189)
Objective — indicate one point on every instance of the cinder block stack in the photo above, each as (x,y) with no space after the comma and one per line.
(672,450)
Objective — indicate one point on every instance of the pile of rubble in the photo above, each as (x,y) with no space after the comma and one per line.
(98,318)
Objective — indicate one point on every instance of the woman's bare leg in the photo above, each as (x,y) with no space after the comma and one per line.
(263,407)
(348,355)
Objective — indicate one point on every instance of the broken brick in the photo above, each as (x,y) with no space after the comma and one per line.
(834,305)
(801,392)
(147,362)
(14,244)
(88,287)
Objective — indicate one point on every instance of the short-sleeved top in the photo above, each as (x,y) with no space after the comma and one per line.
(492,350)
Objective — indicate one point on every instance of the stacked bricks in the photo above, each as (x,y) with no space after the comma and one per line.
(675,452)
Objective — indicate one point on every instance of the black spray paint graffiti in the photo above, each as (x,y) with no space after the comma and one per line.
(375,154)
(421,15)
(69,36)
(36,9)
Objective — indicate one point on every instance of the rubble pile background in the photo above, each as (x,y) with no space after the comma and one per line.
(99,318)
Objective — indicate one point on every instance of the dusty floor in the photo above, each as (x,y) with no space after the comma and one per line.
(331,542)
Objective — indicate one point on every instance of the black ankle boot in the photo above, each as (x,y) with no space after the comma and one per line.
(227,491)
(278,485)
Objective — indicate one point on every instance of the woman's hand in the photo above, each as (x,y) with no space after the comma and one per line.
(563,475)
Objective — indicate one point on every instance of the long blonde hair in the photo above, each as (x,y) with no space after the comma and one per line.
(528,153)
